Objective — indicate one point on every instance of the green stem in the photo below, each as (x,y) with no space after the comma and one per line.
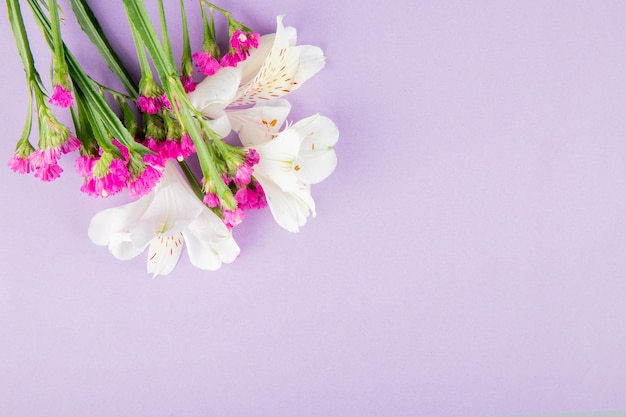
(186,42)
(193,181)
(144,65)
(21,39)
(219,9)
(57,39)
(164,33)
(97,109)
(168,75)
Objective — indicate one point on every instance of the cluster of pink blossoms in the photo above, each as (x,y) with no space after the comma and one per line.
(61,97)
(172,149)
(43,162)
(249,193)
(107,174)
(153,104)
(240,44)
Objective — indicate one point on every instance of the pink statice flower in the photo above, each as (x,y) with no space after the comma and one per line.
(231,59)
(48,172)
(41,158)
(232,218)
(61,97)
(206,63)
(150,105)
(187,147)
(20,164)
(240,44)
(211,200)
(70,145)
(148,178)
(244,40)
(45,163)
(251,197)
(102,180)
(172,149)
(245,170)
(165,102)
(188,84)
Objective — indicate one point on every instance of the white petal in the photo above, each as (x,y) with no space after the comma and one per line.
(251,66)
(319,130)
(290,209)
(115,220)
(277,159)
(275,76)
(216,91)
(316,167)
(209,242)
(260,123)
(122,247)
(312,60)
(220,123)
(164,253)
(317,158)
(174,206)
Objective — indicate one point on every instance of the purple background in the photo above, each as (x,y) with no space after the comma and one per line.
(468,258)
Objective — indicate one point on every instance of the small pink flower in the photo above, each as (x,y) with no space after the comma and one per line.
(262,201)
(150,105)
(150,177)
(188,83)
(206,63)
(245,170)
(243,175)
(70,145)
(170,149)
(252,157)
(42,158)
(248,198)
(231,59)
(48,172)
(112,182)
(123,149)
(187,148)
(61,97)
(242,40)
(165,102)
(232,218)
(211,200)
(84,165)
(20,165)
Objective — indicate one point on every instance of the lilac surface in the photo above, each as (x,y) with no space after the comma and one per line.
(468,258)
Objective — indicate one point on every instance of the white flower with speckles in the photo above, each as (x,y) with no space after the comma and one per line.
(277,67)
(290,161)
(164,220)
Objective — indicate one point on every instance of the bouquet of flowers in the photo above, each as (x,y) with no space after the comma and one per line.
(233,123)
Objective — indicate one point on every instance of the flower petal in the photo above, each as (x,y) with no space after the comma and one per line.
(290,209)
(260,123)
(173,208)
(276,75)
(209,242)
(109,222)
(312,60)
(122,247)
(164,253)
(277,159)
(317,158)
(215,92)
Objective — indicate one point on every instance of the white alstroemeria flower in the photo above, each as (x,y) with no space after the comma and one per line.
(164,220)
(274,69)
(290,161)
